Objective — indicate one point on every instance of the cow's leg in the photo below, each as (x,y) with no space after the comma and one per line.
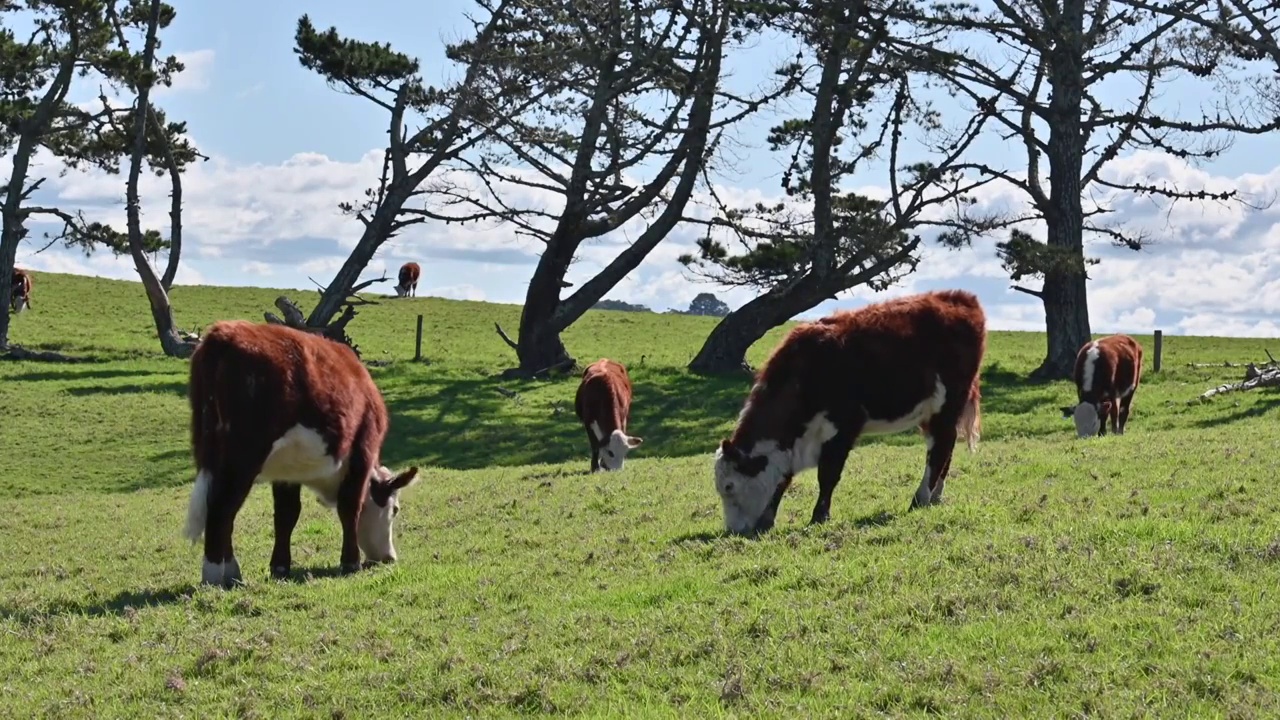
(230,487)
(595,451)
(1125,404)
(830,466)
(288,506)
(940,441)
(350,502)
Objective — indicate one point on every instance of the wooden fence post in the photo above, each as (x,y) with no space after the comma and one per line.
(1159,349)
(417,343)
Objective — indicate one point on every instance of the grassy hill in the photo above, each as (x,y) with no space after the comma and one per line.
(1119,577)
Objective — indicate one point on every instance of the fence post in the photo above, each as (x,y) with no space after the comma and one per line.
(1159,349)
(417,342)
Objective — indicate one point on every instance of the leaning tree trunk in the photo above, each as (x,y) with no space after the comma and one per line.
(539,346)
(161,310)
(725,350)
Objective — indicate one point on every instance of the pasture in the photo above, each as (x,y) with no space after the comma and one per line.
(1117,577)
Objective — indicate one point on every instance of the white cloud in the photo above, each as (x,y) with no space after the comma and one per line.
(197,72)
(1210,269)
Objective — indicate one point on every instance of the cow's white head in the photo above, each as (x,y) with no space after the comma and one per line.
(751,486)
(402,290)
(613,452)
(377,516)
(1087,417)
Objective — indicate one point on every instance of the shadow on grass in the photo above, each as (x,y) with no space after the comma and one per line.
(77,373)
(122,603)
(1258,409)
(880,518)
(303,575)
(157,388)
(465,423)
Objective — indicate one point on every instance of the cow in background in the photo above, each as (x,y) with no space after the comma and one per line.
(20,291)
(906,363)
(273,404)
(409,274)
(1107,373)
(603,404)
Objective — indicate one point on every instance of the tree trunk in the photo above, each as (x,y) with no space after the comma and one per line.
(1066,320)
(175,210)
(1065,296)
(539,346)
(376,232)
(725,350)
(161,310)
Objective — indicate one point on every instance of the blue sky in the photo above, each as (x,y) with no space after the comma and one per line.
(287,148)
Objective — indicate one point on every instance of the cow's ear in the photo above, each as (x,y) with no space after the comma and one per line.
(1068,411)
(634,442)
(728,451)
(404,479)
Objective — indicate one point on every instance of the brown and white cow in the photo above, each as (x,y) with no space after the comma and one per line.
(274,404)
(20,291)
(409,274)
(883,368)
(603,404)
(1106,374)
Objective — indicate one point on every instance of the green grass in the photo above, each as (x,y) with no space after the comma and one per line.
(1123,577)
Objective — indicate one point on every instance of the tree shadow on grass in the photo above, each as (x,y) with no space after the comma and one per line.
(122,603)
(1261,407)
(83,374)
(466,423)
(156,388)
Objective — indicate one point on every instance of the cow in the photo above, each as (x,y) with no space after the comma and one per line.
(409,273)
(1106,374)
(273,404)
(603,404)
(884,368)
(20,291)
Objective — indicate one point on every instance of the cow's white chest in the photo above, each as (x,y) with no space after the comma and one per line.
(923,410)
(299,456)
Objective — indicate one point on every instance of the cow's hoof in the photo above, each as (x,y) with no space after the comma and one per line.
(349,568)
(280,572)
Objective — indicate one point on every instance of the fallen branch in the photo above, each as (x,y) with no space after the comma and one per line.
(1267,375)
(17,352)
(1217,365)
(294,318)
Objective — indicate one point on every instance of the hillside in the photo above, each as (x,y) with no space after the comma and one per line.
(1114,577)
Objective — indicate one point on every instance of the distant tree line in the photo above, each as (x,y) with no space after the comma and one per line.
(571,122)
(703,304)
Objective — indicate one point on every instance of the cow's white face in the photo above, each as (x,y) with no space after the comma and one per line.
(614,452)
(750,487)
(402,290)
(377,516)
(1086,419)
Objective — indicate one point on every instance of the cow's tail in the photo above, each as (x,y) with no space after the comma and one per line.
(969,426)
(198,506)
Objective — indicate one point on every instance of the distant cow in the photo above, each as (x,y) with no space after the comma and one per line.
(603,404)
(1107,374)
(20,291)
(409,273)
(274,404)
(884,368)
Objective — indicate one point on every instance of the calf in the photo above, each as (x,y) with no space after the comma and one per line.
(884,368)
(20,291)
(274,404)
(409,273)
(1107,373)
(603,404)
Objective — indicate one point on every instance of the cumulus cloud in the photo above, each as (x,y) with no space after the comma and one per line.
(1210,266)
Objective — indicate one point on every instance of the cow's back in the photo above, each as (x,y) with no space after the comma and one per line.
(253,382)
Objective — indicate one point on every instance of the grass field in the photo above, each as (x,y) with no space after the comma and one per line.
(1134,576)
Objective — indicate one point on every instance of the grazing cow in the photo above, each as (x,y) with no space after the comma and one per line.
(1107,373)
(409,273)
(603,404)
(20,291)
(884,368)
(274,404)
